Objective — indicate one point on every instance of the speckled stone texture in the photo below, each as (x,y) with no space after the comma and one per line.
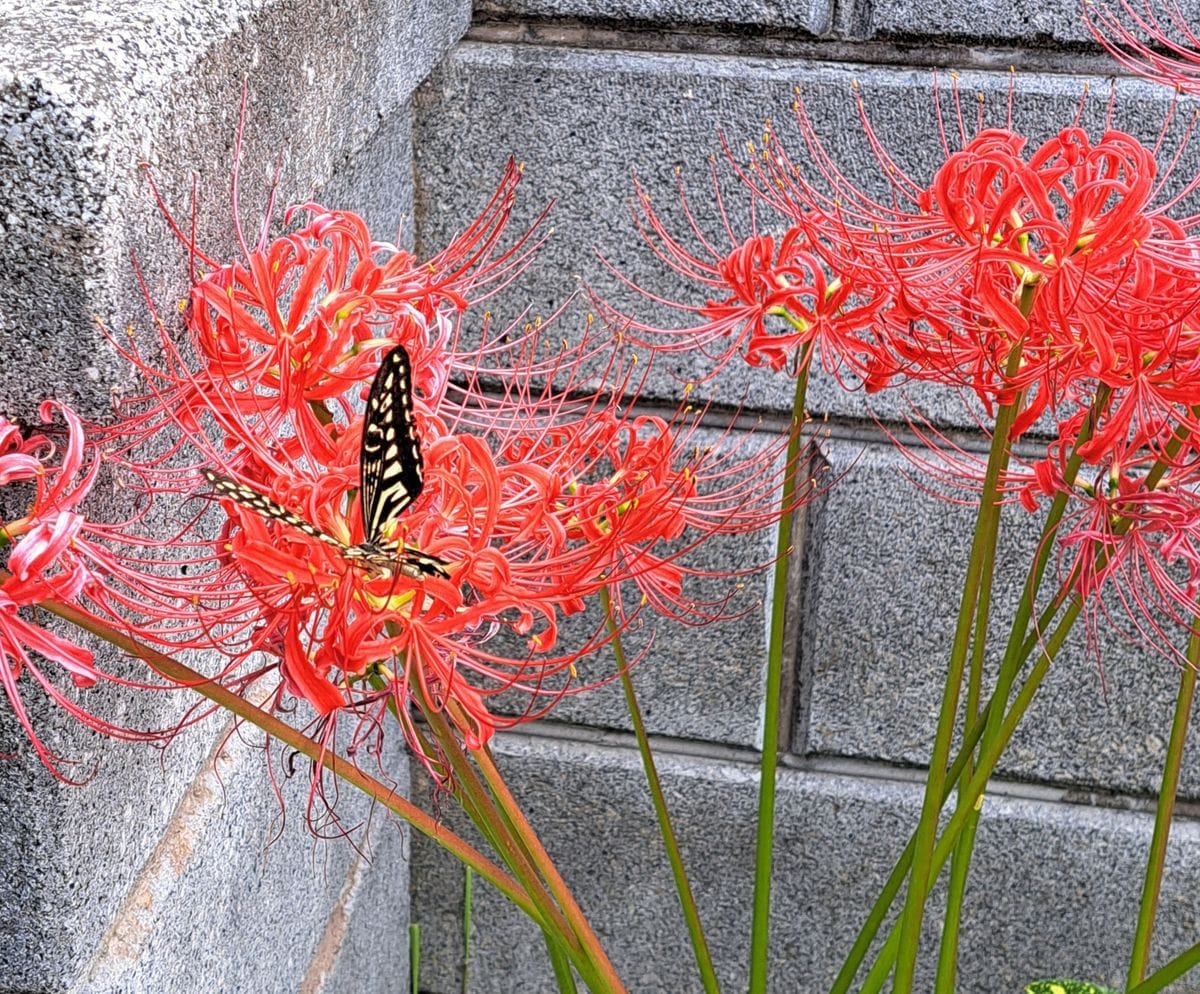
(1054,883)
(1023,25)
(1057,899)
(89,96)
(237,891)
(175,870)
(812,17)
(875,660)
(602,116)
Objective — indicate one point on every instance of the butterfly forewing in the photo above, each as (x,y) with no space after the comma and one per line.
(251,498)
(390,466)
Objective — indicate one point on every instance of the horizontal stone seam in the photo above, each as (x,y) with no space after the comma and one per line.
(920,53)
(1061,795)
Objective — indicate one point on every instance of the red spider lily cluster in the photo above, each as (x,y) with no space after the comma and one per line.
(539,491)
(1054,279)
(55,553)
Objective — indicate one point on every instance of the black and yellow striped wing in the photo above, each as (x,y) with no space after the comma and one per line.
(390,478)
(390,468)
(249,497)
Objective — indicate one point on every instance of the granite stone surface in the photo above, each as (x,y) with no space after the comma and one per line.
(887,564)
(368,940)
(602,116)
(158,856)
(739,16)
(1049,893)
(375,181)
(77,849)
(1041,23)
(239,891)
(94,101)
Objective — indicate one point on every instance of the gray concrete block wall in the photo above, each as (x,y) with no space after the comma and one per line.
(585,95)
(177,871)
(839,835)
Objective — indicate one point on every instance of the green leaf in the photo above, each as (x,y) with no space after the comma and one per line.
(1066,987)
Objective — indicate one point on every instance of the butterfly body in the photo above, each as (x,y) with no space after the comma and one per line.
(391,474)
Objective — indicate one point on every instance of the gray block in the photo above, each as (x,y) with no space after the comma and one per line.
(369,944)
(599,116)
(84,98)
(703,683)
(87,97)
(1027,25)
(79,849)
(1053,887)
(886,569)
(813,16)
(170,869)
(376,181)
(231,861)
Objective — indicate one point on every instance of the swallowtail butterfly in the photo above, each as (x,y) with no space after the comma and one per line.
(390,478)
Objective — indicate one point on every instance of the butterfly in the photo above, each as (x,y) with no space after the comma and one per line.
(391,474)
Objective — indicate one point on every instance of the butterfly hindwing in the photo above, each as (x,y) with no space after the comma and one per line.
(391,472)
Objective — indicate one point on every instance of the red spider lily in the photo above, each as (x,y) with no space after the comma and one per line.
(303,316)
(1045,275)
(1151,39)
(769,296)
(55,554)
(643,492)
(1134,531)
(534,497)
(531,522)
(1065,252)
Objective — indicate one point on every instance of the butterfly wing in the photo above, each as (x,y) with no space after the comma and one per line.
(260,504)
(391,471)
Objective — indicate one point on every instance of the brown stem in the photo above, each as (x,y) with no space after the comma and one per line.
(182,674)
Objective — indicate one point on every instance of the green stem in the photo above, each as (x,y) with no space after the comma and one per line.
(765,823)
(494,818)
(895,880)
(468,909)
(596,960)
(515,841)
(561,964)
(948,954)
(1015,657)
(1174,969)
(1139,957)
(989,755)
(414,957)
(982,550)
(960,864)
(683,888)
